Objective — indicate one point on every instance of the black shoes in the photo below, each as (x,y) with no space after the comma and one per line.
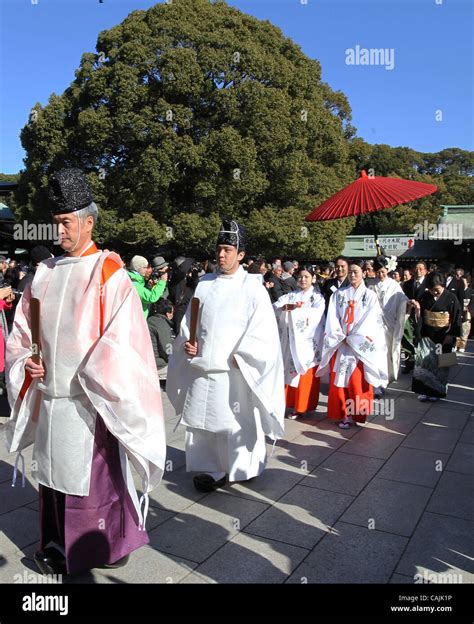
(407,366)
(205,483)
(50,561)
(117,564)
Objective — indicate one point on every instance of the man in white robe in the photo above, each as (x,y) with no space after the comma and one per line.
(92,403)
(227,388)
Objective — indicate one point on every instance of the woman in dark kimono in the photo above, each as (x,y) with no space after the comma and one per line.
(438,316)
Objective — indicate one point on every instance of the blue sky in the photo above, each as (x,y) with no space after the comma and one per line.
(432,41)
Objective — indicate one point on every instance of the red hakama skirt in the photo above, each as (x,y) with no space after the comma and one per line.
(355,401)
(305,397)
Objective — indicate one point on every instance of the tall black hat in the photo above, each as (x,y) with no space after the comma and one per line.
(69,191)
(232,233)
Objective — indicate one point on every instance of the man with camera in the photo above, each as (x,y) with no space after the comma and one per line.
(138,274)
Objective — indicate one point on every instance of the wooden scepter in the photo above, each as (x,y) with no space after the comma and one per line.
(35,348)
(194,319)
(35,330)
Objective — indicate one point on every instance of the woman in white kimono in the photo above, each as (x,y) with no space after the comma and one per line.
(393,303)
(300,316)
(354,351)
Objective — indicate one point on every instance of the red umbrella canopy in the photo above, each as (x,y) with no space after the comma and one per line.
(369,194)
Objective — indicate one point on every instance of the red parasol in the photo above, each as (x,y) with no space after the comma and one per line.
(368,195)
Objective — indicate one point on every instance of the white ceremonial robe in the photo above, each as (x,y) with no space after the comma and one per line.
(392,301)
(363,339)
(232,393)
(301,332)
(113,374)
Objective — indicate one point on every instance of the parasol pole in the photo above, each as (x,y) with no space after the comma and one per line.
(374,228)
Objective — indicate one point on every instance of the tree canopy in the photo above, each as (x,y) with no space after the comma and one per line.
(192,111)
(451,170)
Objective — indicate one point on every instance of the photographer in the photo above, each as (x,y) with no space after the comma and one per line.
(159,267)
(138,271)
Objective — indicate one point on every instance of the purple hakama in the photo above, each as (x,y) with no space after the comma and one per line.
(97,529)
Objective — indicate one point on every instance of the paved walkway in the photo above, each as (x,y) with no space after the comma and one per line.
(390,502)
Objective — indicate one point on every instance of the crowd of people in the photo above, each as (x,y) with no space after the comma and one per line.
(408,301)
(241,343)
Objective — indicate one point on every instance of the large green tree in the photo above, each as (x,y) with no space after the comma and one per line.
(451,170)
(192,110)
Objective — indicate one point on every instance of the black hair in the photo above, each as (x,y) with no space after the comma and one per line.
(307,267)
(435,279)
(358,262)
(162,306)
(254,268)
(421,262)
(256,264)
(346,260)
(380,263)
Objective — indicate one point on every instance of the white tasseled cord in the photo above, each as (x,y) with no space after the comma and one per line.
(142,520)
(15,470)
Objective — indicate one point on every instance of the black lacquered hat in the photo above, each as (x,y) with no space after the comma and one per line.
(69,191)
(232,233)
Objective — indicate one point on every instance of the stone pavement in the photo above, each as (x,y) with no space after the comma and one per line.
(390,502)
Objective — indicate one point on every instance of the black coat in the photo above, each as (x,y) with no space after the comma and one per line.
(277,290)
(181,290)
(161,334)
(327,289)
(412,291)
(288,284)
(25,280)
(456,287)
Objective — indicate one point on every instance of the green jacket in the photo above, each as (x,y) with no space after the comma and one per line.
(147,295)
